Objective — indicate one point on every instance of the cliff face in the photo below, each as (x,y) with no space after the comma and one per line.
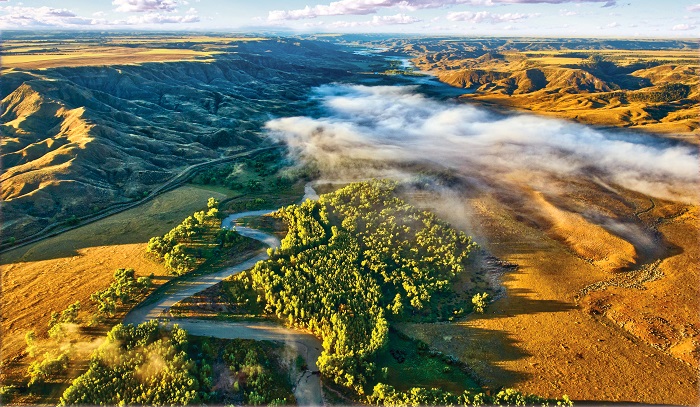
(76,140)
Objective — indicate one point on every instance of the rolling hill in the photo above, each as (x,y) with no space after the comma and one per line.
(78,139)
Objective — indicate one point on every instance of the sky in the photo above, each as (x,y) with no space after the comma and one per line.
(571,18)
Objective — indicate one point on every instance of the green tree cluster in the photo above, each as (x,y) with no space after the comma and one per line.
(123,289)
(351,260)
(145,364)
(67,316)
(172,249)
(49,367)
(256,374)
(668,92)
(386,395)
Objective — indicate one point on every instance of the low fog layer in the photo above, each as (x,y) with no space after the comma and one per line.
(396,125)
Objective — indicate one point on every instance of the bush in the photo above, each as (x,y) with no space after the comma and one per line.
(171,249)
(665,93)
(144,364)
(67,316)
(480,301)
(49,367)
(123,289)
(384,394)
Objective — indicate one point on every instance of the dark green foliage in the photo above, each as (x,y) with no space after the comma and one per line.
(256,374)
(47,368)
(665,93)
(124,288)
(171,248)
(237,292)
(386,395)
(406,362)
(145,364)
(349,259)
(228,237)
(233,175)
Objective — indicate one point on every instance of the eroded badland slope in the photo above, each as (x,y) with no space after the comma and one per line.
(76,140)
(643,84)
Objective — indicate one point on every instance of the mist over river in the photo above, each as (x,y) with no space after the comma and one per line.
(387,128)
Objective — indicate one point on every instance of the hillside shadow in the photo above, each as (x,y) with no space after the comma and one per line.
(518,301)
(483,351)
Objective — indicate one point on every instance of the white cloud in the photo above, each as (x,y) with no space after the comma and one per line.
(144,5)
(377,21)
(683,27)
(694,7)
(395,19)
(567,13)
(158,18)
(485,16)
(19,17)
(27,17)
(364,7)
(613,24)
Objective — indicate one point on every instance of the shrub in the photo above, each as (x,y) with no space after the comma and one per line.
(49,367)
(480,301)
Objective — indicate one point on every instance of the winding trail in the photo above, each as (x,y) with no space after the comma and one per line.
(307,388)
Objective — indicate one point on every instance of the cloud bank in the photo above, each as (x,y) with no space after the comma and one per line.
(364,7)
(151,12)
(393,127)
(485,16)
(130,6)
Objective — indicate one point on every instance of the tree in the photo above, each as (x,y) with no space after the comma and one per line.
(121,370)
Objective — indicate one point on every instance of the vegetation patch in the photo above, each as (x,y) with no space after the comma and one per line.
(194,241)
(150,364)
(264,180)
(405,362)
(386,395)
(350,262)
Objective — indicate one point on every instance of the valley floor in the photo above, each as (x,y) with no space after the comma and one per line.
(538,339)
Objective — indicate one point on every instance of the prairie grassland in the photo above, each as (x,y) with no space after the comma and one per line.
(180,39)
(629,341)
(94,55)
(49,275)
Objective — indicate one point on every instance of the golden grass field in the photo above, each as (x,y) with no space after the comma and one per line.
(49,275)
(538,338)
(560,88)
(26,54)
(101,56)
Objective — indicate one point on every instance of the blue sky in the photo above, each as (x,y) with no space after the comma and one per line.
(578,18)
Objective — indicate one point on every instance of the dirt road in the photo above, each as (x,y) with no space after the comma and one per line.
(307,388)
